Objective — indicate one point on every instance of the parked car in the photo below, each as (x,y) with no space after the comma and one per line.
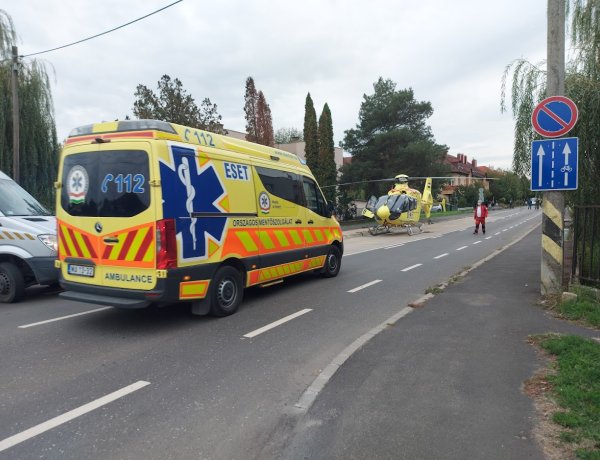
(27,242)
(436,208)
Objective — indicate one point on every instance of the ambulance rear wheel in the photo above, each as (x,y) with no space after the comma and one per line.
(226,291)
(12,284)
(333,262)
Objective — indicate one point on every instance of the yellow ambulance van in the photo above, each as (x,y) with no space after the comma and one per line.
(150,212)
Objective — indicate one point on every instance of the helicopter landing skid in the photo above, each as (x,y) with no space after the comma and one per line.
(379,229)
(410,229)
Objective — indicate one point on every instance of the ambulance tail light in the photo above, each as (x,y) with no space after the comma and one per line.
(166,244)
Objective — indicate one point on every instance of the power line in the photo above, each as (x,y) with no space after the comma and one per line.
(103,33)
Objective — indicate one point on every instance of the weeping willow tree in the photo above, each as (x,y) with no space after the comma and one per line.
(38,145)
(582,85)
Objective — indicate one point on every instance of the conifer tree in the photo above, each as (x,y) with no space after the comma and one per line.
(264,122)
(250,110)
(327,168)
(311,136)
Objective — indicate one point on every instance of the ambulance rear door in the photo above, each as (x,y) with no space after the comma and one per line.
(106,215)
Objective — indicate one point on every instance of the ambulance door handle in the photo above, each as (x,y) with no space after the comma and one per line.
(298,221)
(111,240)
(311,221)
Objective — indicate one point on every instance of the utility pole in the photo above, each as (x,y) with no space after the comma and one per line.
(553,205)
(15,112)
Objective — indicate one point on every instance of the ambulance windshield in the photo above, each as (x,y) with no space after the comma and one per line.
(14,201)
(109,183)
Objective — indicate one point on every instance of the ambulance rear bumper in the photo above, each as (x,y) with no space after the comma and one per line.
(117,302)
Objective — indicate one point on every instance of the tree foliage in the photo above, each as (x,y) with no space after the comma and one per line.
(259,121)
(327,170)
(288,135)
(172,103)
(38,144)
(582,81)
(311,136)
(264,122)
(250,110)
(392,137)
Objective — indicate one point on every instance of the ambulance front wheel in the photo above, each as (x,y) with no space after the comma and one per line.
(333,262)
(12,284)
(226,291)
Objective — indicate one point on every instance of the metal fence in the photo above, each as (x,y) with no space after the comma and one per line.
(586,248)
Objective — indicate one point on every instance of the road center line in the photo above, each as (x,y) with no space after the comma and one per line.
(487,237)
(63,317)
(362,286)
(461,248)
(256,332)
(477,242)
(441,255)
(411,267)
(497,233)
(68,416)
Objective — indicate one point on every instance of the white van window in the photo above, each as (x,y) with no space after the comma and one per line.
(14,201)
(110,183)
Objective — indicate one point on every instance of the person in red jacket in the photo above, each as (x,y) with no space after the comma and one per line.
(481,213)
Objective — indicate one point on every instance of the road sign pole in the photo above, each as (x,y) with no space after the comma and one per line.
(553,204)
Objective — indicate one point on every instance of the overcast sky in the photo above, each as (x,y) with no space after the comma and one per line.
(451,53)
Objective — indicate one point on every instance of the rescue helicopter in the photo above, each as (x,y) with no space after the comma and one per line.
(401,207)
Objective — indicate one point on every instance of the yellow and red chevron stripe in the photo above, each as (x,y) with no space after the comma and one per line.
(134,246)
(265,275)
(253,241)
(134,249)
(73,242)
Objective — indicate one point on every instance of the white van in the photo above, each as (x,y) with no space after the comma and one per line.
(27,242)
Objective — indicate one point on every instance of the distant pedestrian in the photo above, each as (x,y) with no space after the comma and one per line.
(528,203)
(537,204)
(480,214)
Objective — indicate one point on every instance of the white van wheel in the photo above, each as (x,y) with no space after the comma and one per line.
(226,291)
(12,284)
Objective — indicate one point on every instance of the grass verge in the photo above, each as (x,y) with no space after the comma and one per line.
(586,309)
(575,385)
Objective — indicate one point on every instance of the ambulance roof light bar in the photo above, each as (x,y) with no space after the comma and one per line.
(128,125)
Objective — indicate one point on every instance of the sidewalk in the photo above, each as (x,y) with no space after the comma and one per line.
(444,382)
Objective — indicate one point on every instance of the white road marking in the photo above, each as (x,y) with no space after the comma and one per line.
(505,229)
(362,286)
(441,255)
(461,248)
(411,267)
(394,246)
(63,317)
(497,233)
(256,332)
(477,242)
(68,416)
(487,237)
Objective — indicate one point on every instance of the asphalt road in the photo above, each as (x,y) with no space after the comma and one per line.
(164,384)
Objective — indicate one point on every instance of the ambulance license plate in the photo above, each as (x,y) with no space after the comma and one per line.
(80,270)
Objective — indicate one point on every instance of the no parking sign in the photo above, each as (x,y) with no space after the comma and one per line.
(555,116)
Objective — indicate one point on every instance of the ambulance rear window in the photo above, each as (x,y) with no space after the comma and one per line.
(111,183)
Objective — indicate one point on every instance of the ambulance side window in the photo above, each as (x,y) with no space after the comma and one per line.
(282,184)
(314,198)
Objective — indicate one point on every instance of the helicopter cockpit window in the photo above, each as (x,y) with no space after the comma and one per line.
(382,201)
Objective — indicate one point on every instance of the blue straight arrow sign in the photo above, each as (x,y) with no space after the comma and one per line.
(554,164)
